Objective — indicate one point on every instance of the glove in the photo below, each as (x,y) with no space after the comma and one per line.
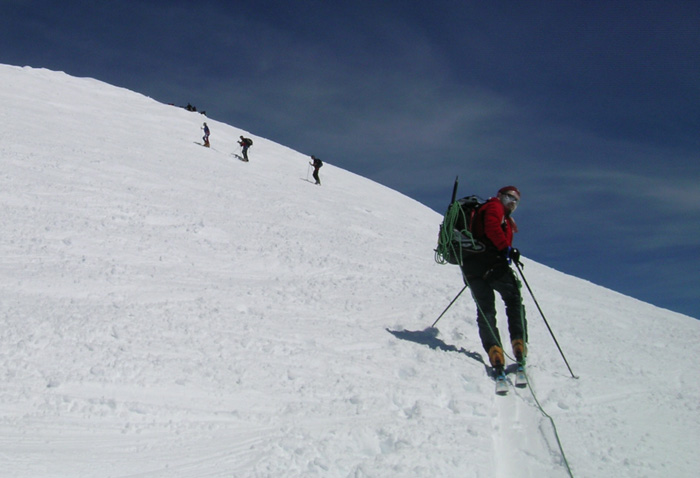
(505,254)
(510,255)
(515,256)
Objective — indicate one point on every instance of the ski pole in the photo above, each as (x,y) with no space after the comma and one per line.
(517,266)
(450,305)
(308,170)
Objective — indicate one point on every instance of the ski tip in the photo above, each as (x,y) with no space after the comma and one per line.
(501,387)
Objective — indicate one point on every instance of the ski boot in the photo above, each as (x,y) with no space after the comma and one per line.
(520,352)
(498,363)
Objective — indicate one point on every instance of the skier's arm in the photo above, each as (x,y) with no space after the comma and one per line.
(493,220)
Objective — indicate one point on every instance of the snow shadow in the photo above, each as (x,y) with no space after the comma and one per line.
(429,337)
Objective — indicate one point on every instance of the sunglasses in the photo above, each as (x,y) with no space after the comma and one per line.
(511,198)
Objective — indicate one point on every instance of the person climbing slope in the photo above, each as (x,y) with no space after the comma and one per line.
(494,226)
(316,163)
(245,144)
(206,135)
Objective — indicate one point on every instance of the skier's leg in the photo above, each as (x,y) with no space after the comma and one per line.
(507,286)
(486,312)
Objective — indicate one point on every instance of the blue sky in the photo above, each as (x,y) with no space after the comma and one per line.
(591,108)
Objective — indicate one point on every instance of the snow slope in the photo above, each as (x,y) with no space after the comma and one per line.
(170,311)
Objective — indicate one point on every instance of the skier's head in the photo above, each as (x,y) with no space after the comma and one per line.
(509,197)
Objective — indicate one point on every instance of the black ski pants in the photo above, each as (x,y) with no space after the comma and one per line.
(483,291)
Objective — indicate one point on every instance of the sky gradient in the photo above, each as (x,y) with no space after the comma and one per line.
(591,108)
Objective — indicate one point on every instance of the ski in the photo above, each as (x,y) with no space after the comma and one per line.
(501,383)
(520,377)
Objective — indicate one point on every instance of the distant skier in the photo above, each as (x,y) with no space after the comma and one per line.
(206,135)
(245,144)
(317,163)
(490,271)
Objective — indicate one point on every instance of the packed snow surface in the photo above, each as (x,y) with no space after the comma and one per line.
(170,311)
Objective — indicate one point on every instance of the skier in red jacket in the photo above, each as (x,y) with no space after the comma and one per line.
(491,272)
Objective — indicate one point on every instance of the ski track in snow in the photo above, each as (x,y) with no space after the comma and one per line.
(524,441)
(170,311)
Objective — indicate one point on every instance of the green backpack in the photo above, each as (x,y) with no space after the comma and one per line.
(456,244)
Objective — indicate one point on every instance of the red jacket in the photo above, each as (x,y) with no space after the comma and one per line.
(492,226)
